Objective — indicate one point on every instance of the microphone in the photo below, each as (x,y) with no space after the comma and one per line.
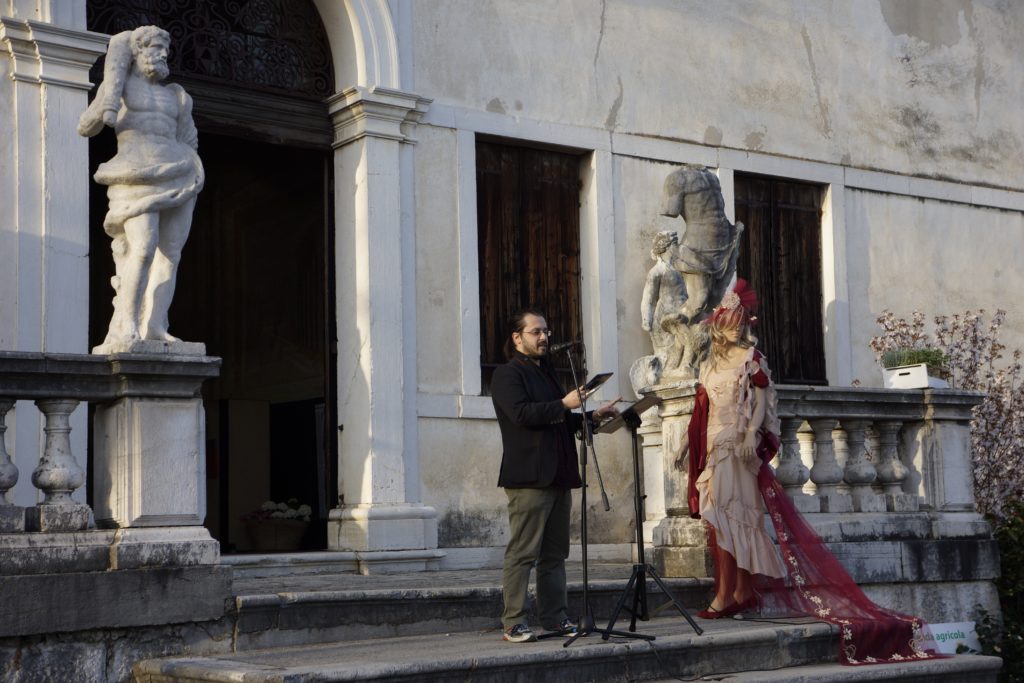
(562,346)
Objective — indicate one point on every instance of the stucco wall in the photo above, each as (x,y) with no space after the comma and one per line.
(937,257)
(438,321)
(924,87)
(8,202)
(460,462)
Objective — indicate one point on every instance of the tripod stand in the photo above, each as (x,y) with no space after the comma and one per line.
(637,585)
(587,624)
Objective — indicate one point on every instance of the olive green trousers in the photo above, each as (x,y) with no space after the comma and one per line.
(539,526)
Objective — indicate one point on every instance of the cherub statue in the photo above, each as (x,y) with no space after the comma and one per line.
(662,303)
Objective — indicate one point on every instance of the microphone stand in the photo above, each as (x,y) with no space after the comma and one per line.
(587,625)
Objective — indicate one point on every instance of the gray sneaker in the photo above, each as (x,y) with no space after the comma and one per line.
(567,628)
(520,633)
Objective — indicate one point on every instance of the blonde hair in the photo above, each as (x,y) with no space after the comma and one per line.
(727,320)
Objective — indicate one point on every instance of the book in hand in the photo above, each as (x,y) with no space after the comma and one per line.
(596,381)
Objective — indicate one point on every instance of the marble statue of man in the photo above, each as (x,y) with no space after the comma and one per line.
(152,182)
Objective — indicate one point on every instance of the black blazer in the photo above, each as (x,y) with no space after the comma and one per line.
(530,414)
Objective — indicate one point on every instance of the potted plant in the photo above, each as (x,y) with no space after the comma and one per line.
(914,368)
(277,526)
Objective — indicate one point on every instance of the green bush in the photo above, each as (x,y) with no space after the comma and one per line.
(1006,639)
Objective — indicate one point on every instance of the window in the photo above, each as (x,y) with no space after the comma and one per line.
(529,244)
(780,255)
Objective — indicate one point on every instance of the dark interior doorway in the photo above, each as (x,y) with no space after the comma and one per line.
(255,282)
(254,286)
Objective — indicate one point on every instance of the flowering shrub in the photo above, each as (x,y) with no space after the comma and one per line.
(973,353)
(287,510)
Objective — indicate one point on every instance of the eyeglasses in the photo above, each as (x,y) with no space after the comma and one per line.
(538,332)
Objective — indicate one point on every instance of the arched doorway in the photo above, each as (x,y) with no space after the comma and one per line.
(256,277)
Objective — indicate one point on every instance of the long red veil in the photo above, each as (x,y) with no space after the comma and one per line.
(816,584)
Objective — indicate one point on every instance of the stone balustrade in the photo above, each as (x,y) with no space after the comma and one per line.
(147,559)
(876,450)
(148,447)
(884,476)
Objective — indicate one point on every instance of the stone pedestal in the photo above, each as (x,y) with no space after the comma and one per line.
(649,434)
(383,535)
(152,347)
(150,462)
(679,543)
(941,450)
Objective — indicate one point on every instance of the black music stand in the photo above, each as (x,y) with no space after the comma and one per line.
(587,625)
(637,585)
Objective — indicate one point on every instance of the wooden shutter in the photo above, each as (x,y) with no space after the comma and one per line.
(781,257)
(528,240)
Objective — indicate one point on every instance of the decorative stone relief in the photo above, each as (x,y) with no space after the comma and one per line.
(152,183)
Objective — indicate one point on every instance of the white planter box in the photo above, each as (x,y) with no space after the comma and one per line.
(911,377)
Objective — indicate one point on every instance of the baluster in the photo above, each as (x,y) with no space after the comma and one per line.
(891,470)
(860,473)
(58,473)
(12,517)
(791,472)
(805,438)
(826,473)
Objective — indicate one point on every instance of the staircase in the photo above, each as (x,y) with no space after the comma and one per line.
(296,621)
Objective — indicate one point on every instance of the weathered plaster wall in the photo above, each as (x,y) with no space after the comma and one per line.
(438,319)
(8,205)
(907,88)
(936,257)
(460,462)
(637,220)
(924,87)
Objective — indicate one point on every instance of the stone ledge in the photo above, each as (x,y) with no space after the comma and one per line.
(50,603)
(100,550)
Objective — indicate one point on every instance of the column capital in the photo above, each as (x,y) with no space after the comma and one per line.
(359,112)
(45,53)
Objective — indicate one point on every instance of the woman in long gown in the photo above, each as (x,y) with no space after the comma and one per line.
(729,499)
(733,434)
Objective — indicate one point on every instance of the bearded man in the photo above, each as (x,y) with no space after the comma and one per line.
(152,181)
(538,472)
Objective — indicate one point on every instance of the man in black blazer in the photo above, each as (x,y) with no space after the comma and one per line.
(538,471)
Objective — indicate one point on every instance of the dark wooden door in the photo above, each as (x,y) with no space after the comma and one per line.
(781,257)
(529,243)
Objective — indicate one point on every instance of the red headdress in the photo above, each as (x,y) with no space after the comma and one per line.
(741,295)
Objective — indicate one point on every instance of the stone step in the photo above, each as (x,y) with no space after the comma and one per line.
(792,650)
(960,669)
(278,610)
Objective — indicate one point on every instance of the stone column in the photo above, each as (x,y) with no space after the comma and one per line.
(791,472)
(12,517)
(58,474)
(380,512)
(826,473)
(650,437)
(890,468)
(44,245)
(859,472)
(680,543)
